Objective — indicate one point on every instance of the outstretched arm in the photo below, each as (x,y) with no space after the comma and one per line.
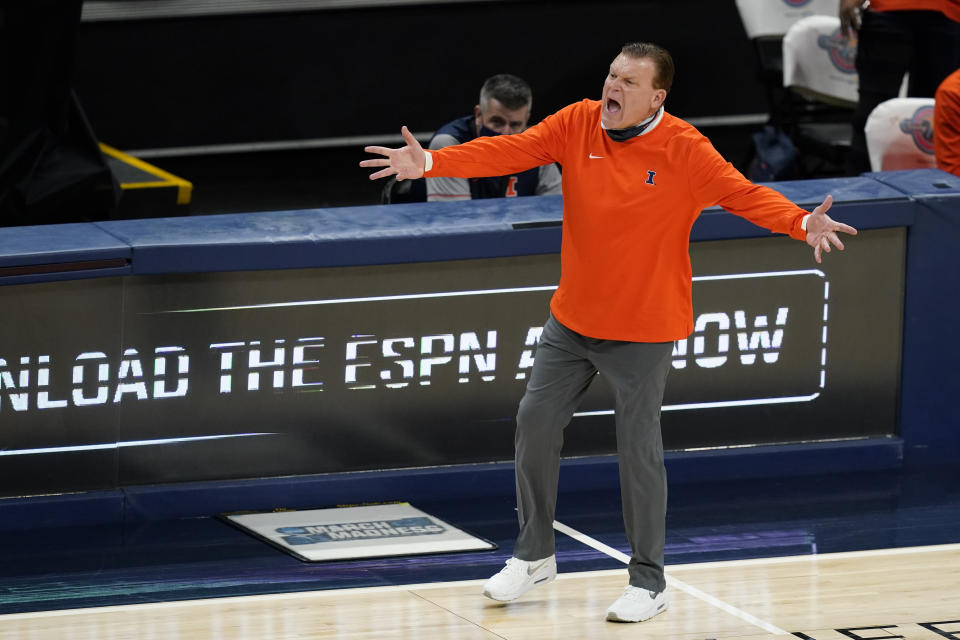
(407,163)
(482,157)
(822,230)
(447,189)
(713,180)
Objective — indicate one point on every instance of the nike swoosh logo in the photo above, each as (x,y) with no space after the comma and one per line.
(533,569)
(592,157)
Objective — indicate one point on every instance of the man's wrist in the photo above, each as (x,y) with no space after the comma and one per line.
(803,223)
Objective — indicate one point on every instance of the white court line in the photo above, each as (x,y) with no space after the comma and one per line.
(339,593)
(673,582)
(837,555)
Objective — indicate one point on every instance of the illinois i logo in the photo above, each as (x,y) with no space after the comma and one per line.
(920,128)
(650,175)
(843,52)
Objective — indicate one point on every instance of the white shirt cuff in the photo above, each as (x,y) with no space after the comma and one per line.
(429,165)
(803,223)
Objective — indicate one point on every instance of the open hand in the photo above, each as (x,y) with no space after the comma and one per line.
(822,230)
(406,163)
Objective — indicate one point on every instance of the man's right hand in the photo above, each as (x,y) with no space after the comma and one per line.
(407,163)
(849,13)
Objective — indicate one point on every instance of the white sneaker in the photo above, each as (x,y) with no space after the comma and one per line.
(518,577)
(636,605)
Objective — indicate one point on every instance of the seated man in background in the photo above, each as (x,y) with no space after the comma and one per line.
(504,108)
(946,124)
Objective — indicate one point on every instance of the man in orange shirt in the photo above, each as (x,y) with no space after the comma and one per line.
(946,124)
(634,180)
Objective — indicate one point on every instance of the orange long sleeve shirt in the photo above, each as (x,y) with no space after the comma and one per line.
(949,8)
(946,124)
(628,208)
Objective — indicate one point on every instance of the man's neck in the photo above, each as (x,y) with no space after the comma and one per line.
(645,125)
(646,119)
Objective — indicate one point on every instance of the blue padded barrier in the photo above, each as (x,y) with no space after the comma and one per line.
(382,235)
(461,482)
(929,417)
(809,193)
(58,243)
(71,509)
(341,237)
(426,232)
(60,252)
(919,183)
(926,201)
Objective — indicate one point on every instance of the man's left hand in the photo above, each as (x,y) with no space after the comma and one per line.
(822,230)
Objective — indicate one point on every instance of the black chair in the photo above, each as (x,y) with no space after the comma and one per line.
(820,80)
(818,128)
(395,192)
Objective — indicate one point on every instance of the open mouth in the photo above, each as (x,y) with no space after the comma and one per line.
(612,106)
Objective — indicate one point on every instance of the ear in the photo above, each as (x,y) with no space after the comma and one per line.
(658,97)
(476,112)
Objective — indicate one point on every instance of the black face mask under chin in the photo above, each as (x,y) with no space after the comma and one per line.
(486,132)
(622,135)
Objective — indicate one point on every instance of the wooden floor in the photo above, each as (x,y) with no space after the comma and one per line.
(911,593)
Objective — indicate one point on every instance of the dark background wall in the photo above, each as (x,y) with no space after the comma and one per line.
(330,73)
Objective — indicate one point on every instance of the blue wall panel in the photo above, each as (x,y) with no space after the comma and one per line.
(929,413)
(926,202)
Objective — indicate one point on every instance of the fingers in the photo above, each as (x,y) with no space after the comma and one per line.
(831,238)
(835,240)
(408,137)
(825,205)
(384,151)
(389,171)
(375,162)
(825,244)
(822,230)
(818,248)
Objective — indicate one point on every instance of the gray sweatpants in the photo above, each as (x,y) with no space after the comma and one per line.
(565,365)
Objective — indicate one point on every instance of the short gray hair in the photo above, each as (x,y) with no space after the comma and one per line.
(511,91)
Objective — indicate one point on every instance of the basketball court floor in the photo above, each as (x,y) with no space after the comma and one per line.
(862,556)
